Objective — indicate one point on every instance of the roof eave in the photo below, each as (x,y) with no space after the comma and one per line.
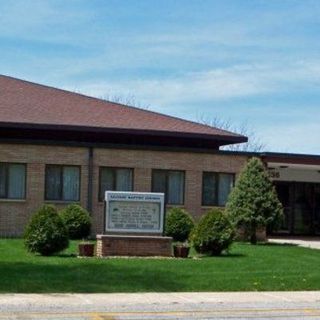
(222,139)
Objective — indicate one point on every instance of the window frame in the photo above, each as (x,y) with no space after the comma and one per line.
(114,169)
(167,172)
(217,179)
(61,166)
(7,165)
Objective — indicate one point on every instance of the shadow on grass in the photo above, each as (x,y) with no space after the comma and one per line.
(56,255)
(65,255)
(80,276)
(223,255)
(232,255)
(274,244)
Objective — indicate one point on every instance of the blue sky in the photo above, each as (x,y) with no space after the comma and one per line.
(253,61)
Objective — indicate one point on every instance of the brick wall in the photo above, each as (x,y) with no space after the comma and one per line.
(144,161)
(15,214)
(116,245)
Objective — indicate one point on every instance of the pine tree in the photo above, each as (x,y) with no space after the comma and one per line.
(254,202)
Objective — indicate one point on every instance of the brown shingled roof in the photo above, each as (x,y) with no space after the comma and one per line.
(23,102)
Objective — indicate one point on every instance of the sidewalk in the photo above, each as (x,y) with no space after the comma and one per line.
(313,243)
(164,306)
(124,301)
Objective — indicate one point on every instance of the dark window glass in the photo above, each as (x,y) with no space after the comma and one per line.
(3,180)
(53,183)
(62,183)
(115,179)
(159,181)
(216,188)
(226,181)
(12,180)
(71,183)
(171,183)
(209,192)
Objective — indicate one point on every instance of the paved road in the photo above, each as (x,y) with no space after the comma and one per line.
(250,305)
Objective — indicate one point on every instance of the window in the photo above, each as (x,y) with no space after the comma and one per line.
(12,181)
(115,179)
(62,183)
(171,183)
(216,188)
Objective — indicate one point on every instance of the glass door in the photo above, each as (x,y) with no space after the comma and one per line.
(303,209)
(284,194)
(316,222)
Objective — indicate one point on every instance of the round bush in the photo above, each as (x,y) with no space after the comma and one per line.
(214,233)
(77,221)
(46,233)
(179,224)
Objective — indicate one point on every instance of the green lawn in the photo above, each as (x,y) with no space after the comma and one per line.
(262,267)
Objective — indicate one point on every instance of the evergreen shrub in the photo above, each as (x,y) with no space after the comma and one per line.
(179,224)
(253,202)
(214,233)
(46,232)
(77,221)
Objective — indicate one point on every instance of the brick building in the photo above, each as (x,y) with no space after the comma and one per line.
(61,147)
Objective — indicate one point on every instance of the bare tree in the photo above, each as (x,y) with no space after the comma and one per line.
(254,144)
(129,100)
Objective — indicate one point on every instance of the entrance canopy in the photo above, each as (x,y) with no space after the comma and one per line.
(297,181)
(294,172)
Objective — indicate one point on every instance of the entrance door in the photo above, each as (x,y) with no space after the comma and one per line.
(303,205)
(284,194)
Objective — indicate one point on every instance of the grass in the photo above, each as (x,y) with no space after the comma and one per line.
(246,268)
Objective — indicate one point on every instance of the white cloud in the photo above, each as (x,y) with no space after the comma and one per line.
(237,55)
(55,22)
(213,85)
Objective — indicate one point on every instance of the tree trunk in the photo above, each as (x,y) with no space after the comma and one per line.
(253,236)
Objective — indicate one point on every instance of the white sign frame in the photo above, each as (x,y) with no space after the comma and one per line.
(126,196)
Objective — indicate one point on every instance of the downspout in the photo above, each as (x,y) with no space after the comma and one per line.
(90,179)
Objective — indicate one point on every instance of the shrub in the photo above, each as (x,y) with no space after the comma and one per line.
(179,224)
(46,233)
(253,202)
(77,221)
(214,233)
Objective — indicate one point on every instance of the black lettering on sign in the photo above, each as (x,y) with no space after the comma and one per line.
(274,174)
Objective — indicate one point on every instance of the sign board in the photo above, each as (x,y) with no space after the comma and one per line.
(294,174)
(274,174)
(134,212)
